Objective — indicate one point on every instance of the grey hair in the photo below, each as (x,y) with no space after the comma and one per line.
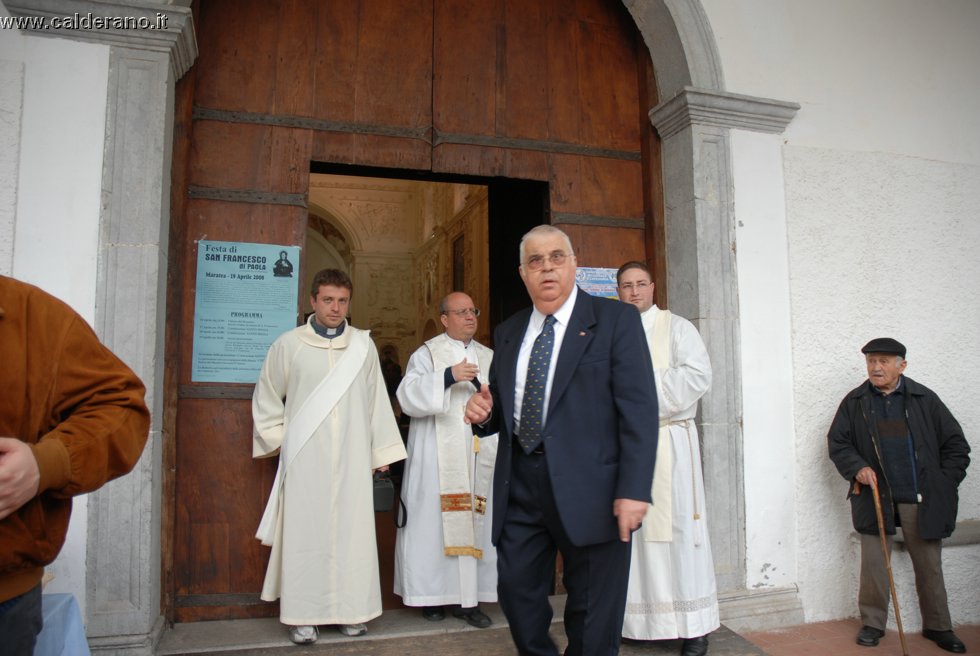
(541,231)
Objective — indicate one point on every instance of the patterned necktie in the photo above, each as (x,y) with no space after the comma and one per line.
(532,406)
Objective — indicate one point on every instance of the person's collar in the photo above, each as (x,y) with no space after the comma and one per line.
(328,333)
(465,344)
(563,315)
(898,387)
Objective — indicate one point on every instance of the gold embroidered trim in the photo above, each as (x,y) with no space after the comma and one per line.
(456,502)
(464,551)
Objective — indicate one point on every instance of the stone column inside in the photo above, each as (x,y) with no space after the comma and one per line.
(123,540)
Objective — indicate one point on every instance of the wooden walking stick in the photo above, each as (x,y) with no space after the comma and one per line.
(888,567)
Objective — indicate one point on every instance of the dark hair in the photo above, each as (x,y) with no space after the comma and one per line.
(633,264)
(334,277)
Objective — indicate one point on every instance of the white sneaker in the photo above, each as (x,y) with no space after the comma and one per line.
(352,630)
(303,635)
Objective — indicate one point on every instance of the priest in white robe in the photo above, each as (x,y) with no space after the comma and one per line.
(672,592)
(443,555)
(321,405)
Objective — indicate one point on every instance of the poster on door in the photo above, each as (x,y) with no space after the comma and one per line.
(245,298)
(597,281)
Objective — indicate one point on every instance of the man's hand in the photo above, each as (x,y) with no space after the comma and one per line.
(19,475)
(630,513)
(479,406)
(382,468)
(866,476)
(464,371)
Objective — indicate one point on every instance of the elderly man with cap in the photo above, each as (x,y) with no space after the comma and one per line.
(895,433)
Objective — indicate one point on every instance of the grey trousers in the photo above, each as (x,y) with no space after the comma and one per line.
(927,563)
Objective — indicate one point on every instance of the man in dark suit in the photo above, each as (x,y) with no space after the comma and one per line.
(576,456)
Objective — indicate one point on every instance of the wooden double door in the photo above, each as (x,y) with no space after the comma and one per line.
(544,102)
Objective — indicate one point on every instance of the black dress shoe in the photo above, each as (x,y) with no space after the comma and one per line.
(946,640)
(869,636)
(695,646)
(433,613)
(473,616)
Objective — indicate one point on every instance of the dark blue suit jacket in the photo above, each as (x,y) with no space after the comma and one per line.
(600,438)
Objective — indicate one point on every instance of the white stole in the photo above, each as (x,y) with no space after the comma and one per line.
(312,412)
(658,522)
(463,507)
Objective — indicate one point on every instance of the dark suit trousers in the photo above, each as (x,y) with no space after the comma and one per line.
(927,563)
(595,576)
(21,621)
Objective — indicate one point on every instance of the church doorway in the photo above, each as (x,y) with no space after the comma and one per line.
(542,124)
(407,239)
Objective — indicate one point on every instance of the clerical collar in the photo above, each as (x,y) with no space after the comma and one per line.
(465,345)
(329,333)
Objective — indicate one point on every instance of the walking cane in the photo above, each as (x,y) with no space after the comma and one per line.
(888,567)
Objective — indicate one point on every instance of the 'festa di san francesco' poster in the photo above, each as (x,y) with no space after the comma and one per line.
(245,298)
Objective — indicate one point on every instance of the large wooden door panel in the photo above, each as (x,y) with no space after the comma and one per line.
(593,185)
(221,492)
(552,91)
(236,63)
(249,157)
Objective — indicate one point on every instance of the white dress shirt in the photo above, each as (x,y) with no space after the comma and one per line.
(534,327)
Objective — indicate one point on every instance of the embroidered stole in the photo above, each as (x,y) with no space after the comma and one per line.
(464,505)
(312,412)
(658,522)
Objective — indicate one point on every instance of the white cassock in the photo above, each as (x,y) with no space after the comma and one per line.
(672,591)
(443,554)
(324,561)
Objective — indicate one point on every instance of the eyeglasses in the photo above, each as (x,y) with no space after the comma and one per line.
(465,311)
(536,262)
(640,286)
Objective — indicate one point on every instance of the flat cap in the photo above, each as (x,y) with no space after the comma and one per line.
(884,345)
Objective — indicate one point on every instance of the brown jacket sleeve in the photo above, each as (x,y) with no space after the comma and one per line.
(102,418)
(77,405)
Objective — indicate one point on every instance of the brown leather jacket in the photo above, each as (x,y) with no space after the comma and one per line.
(78,406)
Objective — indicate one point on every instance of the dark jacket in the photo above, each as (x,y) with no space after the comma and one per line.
(597,435)
(941,455)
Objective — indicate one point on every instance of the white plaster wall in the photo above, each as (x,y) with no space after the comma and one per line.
(879,245)
(767,391)
(60,178)
(882,182)
(877,75)
(11,106)
(55,225)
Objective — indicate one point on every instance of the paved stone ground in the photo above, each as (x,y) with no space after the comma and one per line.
(486,642)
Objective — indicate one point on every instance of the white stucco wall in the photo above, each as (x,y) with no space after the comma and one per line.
(767,391)
(11,110)
(51,238)
(882,182)
(60,173)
